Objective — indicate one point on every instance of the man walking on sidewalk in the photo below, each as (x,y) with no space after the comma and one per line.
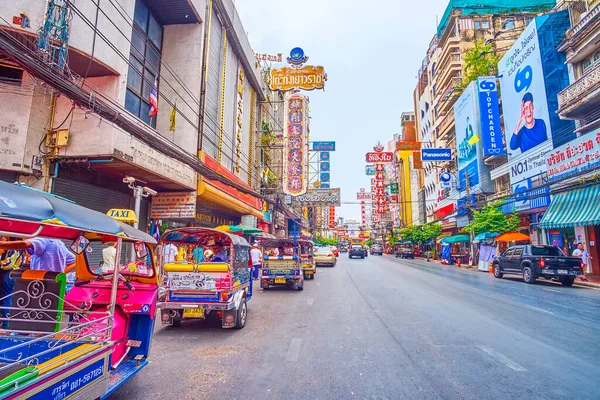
(256,257)
(582,253)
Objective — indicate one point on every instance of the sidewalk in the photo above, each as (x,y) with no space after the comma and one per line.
(592,282)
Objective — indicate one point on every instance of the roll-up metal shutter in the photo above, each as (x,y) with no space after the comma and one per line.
(230,115)
(8,176)
(210,141)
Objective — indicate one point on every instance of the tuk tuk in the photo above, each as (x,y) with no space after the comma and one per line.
(307,260)
(215,282)
(68,337)
(281,264)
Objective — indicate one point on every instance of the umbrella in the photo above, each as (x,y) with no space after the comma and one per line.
(512,237)
(482,237)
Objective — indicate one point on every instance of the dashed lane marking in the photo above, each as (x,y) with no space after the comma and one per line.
(294,350)
(540,310)
(310,301)
(503,359)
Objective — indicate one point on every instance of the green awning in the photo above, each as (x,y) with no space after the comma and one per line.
(576,208)
(456,239)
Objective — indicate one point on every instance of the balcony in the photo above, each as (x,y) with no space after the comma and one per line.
(577,32)
(581,97)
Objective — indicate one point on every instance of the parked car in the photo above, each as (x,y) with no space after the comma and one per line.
(335,251)
(356,250)
(377,249)
(324,256)
(405,252)
(533,261)
(343,249)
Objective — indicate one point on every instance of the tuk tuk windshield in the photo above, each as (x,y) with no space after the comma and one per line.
(135,258)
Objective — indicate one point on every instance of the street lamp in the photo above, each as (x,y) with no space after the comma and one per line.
(138,193)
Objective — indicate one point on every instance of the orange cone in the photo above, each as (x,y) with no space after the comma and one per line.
(491,267)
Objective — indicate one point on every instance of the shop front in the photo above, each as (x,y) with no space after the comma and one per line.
(574,217)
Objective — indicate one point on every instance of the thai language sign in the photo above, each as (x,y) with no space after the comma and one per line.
(363,195)
(295,145)
(308,77)
(574,158)
(323,146)
(198,281)
(408,146)
(73,383)
(380,157)
(173,205)
(319,197)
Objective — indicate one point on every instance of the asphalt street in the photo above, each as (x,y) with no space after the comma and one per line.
(384,328)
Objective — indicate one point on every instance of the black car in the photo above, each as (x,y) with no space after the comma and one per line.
(405,253)
(533,261)
(356,250)
(377,249)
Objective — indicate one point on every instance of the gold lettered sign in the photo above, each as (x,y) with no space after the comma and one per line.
(308,77)
(123,215)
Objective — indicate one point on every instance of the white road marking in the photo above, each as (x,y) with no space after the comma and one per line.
(294,350)
(552,290)
(503,359)
(541,310)
(310,301)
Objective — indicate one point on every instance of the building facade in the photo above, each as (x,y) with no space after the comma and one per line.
(186,71)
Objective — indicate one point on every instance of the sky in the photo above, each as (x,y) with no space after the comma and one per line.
(371,57)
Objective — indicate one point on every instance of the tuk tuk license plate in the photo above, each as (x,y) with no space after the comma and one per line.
(193,313)
(280,280)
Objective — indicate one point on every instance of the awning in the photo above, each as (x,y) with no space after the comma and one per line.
(457,239)
(482,237)
(575,208)
(212,194)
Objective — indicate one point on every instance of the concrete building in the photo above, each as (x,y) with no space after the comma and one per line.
(405,169)
(440,78)
(121,50)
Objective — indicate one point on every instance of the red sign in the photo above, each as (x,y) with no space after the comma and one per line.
(417,160)
(442,212)
(295,160)
(379,157)
(379,167)
(395,198)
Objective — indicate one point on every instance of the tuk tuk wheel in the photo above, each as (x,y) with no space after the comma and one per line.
(242,313)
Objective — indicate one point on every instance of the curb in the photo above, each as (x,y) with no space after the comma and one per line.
(587,284)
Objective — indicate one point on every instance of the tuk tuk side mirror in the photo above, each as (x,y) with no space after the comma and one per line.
(141,250)
(79,245)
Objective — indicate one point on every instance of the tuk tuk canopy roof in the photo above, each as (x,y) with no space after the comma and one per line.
(285,242)
(202,236)
(28,212)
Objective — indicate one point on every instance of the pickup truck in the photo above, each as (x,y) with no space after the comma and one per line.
(533,261)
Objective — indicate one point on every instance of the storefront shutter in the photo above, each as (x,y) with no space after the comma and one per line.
(8,176)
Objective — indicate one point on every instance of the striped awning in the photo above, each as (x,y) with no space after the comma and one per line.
(576,208)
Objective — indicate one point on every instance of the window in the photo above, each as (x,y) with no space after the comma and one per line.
(477,24)
(509,23)
(485,24)
(144,59)
(509,252)
(11,75)
(547,251)
(518,252)
(591,62)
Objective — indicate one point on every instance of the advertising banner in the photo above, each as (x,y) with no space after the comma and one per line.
(295,146)
(574,158)
(173,205)
(380,157)
(467,129)
(323,146)
(489,108)
(308,77)
(441,154)
(318,198)
(525,107)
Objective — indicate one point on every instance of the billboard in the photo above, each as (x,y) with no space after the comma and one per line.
(318,198)
(167,205)
(574,158)
(308,77)
(467,130)
(489,109)
(441,154)
(323,146)
(525,107)
(295,145)
(380,157)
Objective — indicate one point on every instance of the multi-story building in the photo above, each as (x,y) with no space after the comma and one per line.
(193,58)
(441,80)
(405,169)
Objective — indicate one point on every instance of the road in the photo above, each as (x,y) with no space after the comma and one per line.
(384,328)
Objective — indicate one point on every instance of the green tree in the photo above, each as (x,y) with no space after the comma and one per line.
(393,239)
(492,219)
(431,231)
(321,241)
(421,233)
(479,61)
(369,243)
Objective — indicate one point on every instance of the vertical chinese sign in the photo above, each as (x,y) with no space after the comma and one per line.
(295,145)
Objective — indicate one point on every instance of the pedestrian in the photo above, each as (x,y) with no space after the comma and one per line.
(197,255)
(582,253)
(169,252)
(256,258)
(108,257)
(10,260)
(220,253)
(46,254)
